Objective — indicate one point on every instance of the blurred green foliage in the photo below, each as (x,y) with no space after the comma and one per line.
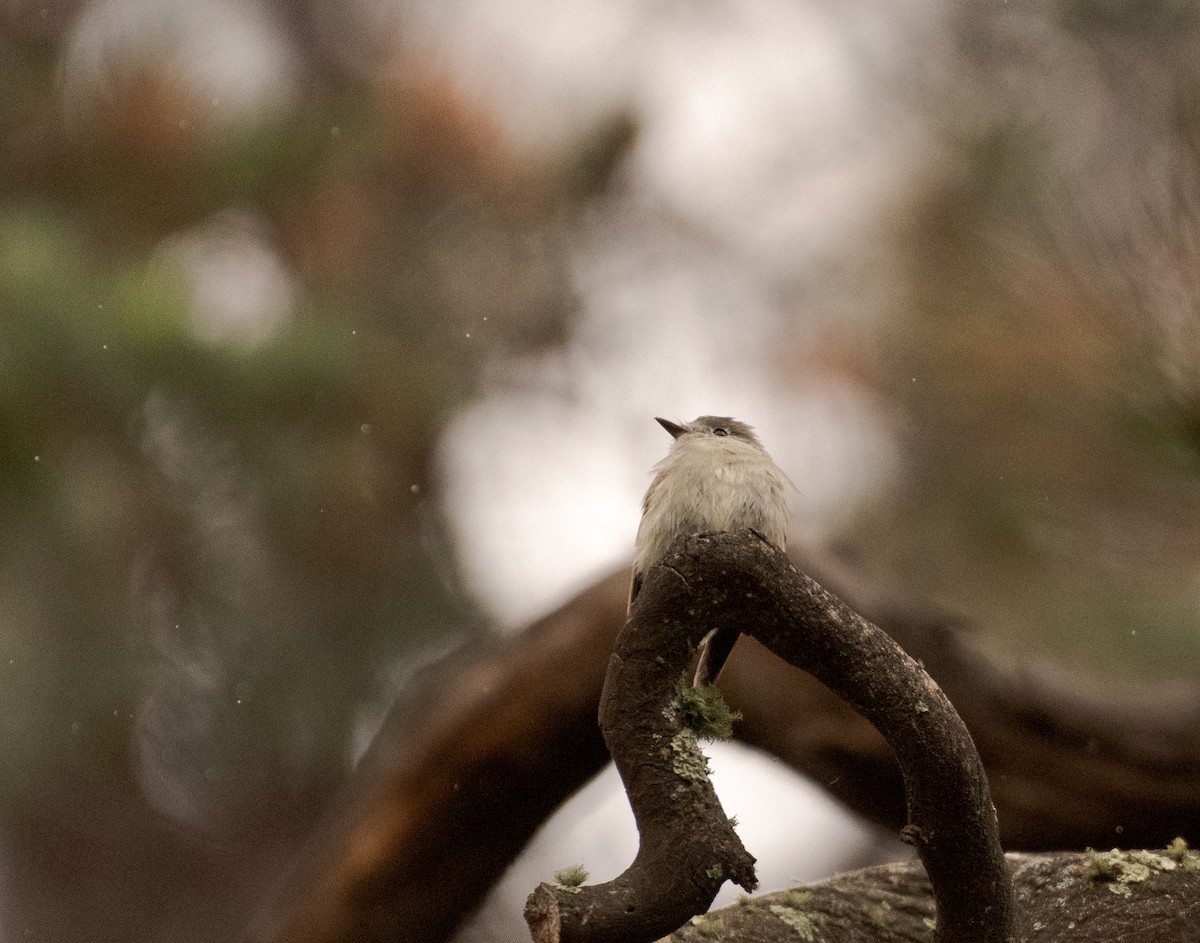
(277,431)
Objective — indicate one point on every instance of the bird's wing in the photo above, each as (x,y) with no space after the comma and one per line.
(714,649)
(635,587)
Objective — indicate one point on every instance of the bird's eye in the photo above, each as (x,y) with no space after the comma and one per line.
(719,431)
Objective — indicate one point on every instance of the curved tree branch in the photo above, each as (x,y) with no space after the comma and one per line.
(1073,761)
(718,580)
(462,774)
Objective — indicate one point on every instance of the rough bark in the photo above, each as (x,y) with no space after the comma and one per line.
(714,581)
(1124,897)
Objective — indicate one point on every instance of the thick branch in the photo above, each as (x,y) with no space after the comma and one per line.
(1073,762)
(718,580)
(459,777)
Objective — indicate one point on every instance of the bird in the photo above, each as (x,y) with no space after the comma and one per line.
(716,477)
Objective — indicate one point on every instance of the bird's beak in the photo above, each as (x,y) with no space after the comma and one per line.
(674,428)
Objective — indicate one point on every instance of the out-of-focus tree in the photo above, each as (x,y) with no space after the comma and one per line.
(242,286)
(254,257)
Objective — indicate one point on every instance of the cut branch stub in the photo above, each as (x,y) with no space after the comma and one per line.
(687,846)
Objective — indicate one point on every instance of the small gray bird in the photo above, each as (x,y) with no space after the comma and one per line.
(717,477)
